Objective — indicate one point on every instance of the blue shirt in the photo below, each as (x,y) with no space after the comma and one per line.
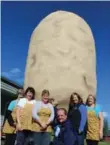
(83,112)
(97,109)
(12,105)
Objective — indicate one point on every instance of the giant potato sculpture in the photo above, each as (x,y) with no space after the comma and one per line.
(61,57)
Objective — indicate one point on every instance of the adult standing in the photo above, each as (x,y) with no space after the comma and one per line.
(94,121)
(43,115)
(77,114)
(9,127)
(24,116)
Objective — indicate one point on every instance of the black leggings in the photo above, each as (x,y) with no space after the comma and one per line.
(10,139)
(92,142)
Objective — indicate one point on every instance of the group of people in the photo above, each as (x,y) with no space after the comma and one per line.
(33,122)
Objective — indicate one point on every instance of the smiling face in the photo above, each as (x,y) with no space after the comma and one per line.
(45,98)
(75,99)
(29,95)
(91,100)
(61,116)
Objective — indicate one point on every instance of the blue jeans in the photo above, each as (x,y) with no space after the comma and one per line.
(23,137)
(41,138)
(80,139)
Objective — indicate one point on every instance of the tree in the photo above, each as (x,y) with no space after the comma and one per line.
(105,130)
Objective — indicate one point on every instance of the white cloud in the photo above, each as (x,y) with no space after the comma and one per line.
(14,74)
(15,70)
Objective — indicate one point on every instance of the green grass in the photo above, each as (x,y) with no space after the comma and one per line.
(101,143)
(104,143)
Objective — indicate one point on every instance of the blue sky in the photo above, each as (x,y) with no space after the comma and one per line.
(18,20)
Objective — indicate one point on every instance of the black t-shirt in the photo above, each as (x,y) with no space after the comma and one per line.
(74,116)
(6,112)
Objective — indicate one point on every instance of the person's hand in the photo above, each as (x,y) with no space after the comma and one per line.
(43,126)
(101,134)
(18,127)
(14,125)
(80,132)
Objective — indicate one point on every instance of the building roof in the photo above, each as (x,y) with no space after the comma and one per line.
(10,82)
(9,86)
